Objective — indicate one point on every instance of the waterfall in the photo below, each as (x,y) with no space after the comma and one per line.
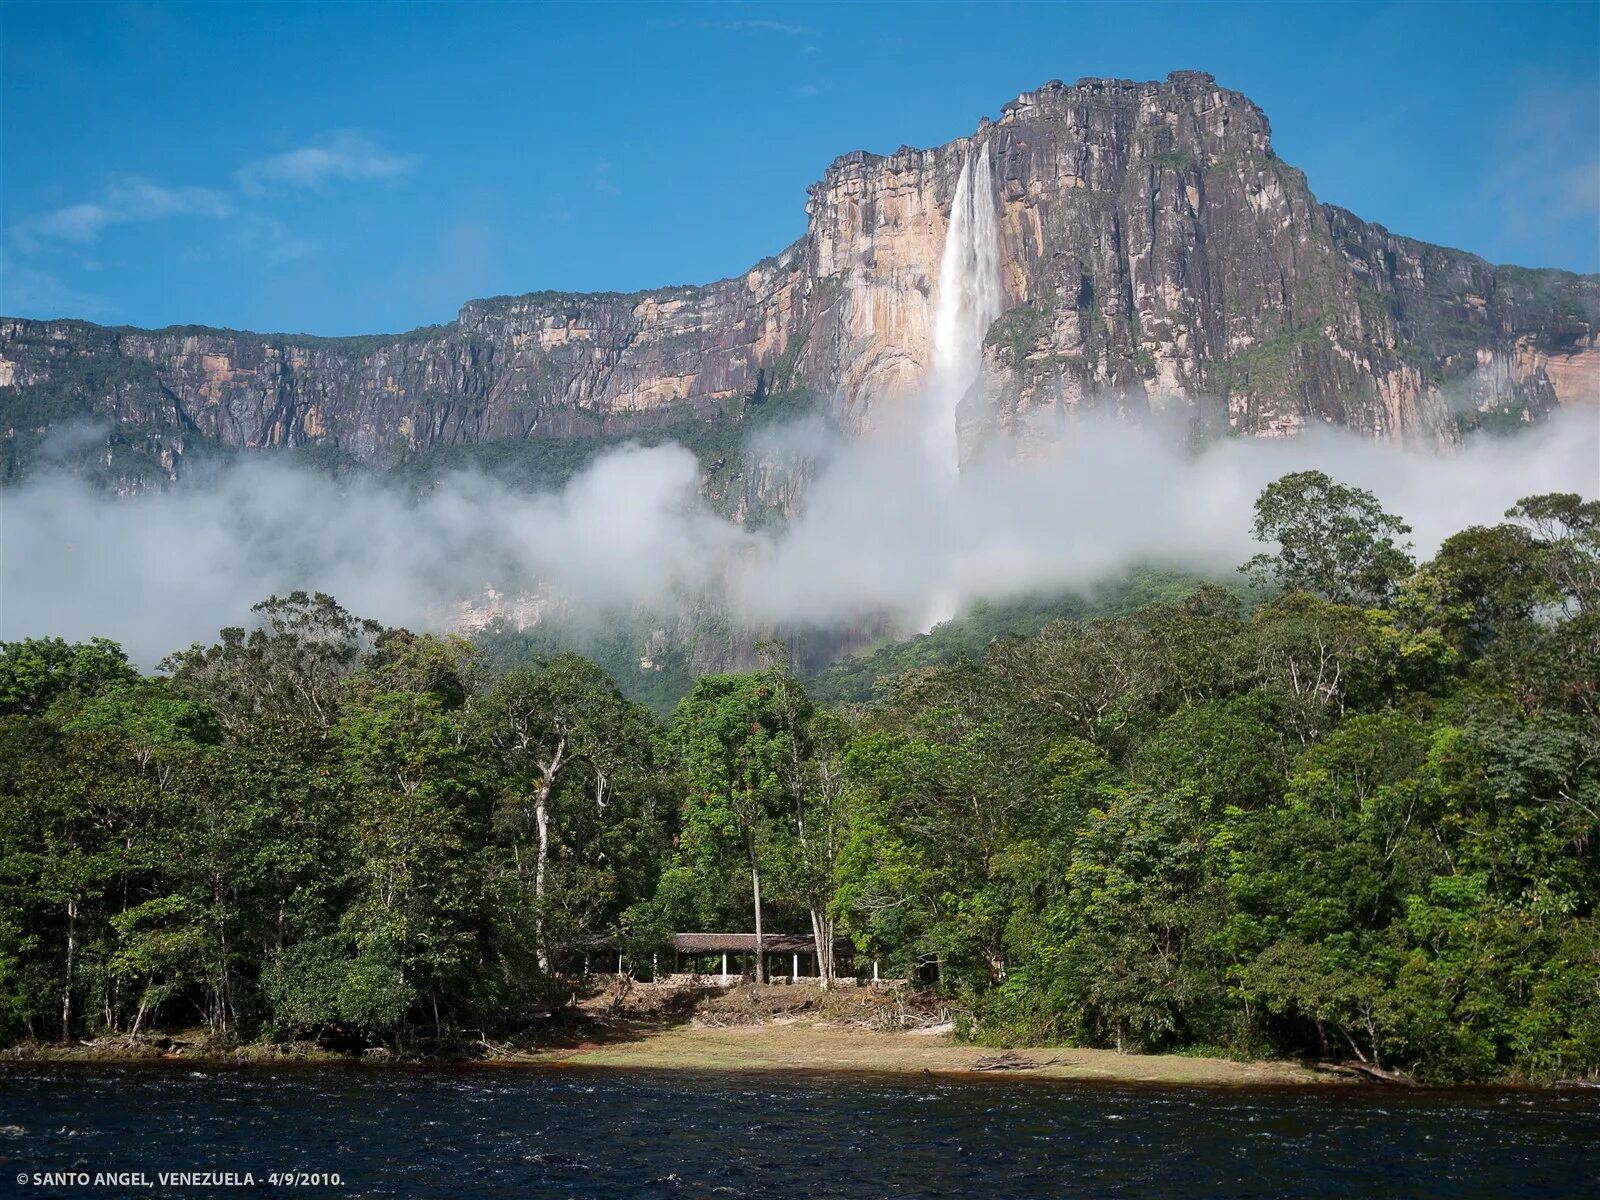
(969,300)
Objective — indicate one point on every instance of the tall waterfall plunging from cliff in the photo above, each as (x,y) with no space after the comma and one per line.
(970,299)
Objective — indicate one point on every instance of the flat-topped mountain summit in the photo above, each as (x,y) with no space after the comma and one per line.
(1148,251)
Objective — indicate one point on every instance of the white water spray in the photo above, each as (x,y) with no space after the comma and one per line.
(970,298)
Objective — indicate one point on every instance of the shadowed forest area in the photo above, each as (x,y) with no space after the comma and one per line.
(1349,814)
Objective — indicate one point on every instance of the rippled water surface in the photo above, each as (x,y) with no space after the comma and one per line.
(521,1132)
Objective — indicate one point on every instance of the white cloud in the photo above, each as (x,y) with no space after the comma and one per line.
(1546,179)
(125,199)
(1580,190)
(271,239)
(75,223)
(762,26)
(129,199)
(39,293)
(880,534)
(342,157)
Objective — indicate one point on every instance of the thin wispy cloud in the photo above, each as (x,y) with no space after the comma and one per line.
(25,288)
(1548,172)
(130,199)
(271,239)
(124,200)
(603,183)
(1578,189)
(762,26)
(344,157)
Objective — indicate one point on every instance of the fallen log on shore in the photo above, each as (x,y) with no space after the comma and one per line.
(1366,1071)
(1012,1062)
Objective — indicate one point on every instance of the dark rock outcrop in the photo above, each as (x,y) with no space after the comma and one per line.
(1155,254)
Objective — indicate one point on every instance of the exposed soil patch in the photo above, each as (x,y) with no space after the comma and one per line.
(694,1025)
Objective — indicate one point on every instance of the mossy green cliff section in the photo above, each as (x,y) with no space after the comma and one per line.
(1156,255)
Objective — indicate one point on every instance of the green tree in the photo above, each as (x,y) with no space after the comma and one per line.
(560,728)
(76,830)
(36,673)
(289,666)
(411,780)
(813,779)
(1566,528)
(1130,958)
(1333,541)
(162,946)
(1318,881)
(1483,584)
(1220,748)
(734,740)
(942,799)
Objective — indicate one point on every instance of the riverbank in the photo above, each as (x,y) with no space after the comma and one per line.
(697,1025)
(782,1046)
(890,1029)
(817,1046)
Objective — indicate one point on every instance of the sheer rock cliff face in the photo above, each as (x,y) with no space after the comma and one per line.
(1156,256)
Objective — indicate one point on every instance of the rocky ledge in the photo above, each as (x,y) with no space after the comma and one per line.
(1155,255)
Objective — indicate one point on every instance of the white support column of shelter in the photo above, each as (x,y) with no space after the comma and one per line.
(724,964)
(794,971)
(874,970)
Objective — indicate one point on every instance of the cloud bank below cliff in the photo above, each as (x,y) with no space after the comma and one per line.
(883,530)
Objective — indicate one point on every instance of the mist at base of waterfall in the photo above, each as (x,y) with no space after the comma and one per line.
(881,534)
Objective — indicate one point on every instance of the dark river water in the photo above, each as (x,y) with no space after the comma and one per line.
(521,1132)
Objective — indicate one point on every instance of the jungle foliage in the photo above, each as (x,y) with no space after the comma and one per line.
(1358,820)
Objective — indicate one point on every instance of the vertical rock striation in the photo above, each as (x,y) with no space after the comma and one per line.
(1152,255)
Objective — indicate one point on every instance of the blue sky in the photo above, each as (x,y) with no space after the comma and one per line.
(360,167)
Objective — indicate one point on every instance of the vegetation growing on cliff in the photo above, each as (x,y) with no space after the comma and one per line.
(1359,820)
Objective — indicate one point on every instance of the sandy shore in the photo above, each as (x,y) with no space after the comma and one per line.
(803,1046)
(766,1029)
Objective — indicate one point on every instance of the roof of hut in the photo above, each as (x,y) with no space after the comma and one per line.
(742,943)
